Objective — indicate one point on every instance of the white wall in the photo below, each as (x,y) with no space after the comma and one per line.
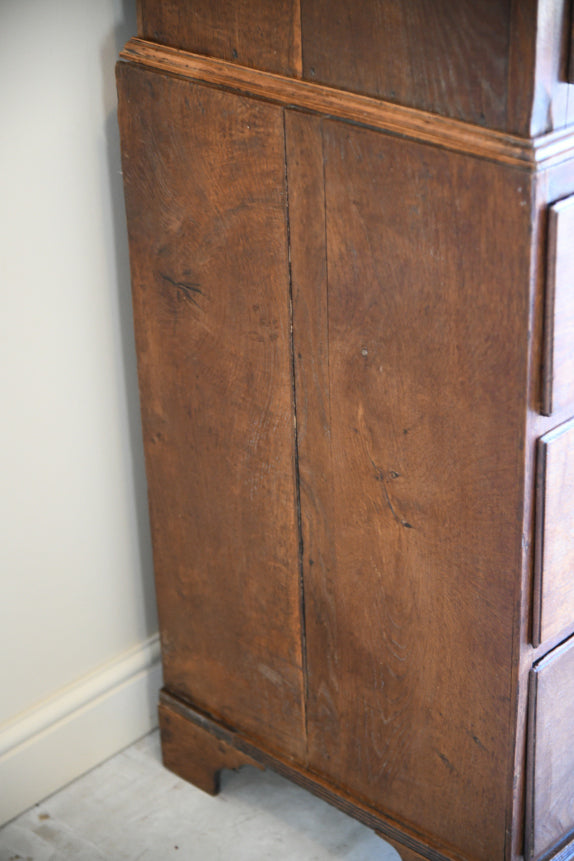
(77,613)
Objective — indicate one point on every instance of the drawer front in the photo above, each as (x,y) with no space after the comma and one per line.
(550,785)
(554,566)
(558,385)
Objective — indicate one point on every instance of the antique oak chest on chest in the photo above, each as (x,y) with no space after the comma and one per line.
(352,246)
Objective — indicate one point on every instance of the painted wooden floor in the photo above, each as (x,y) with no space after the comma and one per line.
(132,809)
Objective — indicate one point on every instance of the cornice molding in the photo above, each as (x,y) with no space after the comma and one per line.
(533,154)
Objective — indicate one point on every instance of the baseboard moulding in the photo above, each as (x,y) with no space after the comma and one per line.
(78,728)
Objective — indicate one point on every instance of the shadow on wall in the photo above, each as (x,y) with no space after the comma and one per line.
(120,275)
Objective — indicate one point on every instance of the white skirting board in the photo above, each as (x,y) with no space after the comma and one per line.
(79,727)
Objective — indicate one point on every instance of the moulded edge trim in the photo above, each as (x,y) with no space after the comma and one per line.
(308,780)
(78,728)
(526,153)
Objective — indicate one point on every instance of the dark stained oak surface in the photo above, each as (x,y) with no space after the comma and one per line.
(550,797)
(447,58)
(542,152)
(550,186)
(552,105)
(351,272)
(204,174)
(501,64)
(410,483)
(259,33)
(195,754)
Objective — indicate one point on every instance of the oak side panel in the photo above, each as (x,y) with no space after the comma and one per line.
(253,33)
(558,389)
(417,503)
(521,65)
(204,178)
(447,58)
(554,593)
(550,792)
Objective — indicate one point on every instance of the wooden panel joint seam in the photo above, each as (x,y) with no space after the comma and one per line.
(526,153)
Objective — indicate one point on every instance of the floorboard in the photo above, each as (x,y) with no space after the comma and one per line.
(132,809)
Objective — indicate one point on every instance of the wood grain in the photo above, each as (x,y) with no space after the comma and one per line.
(550,792)
(412,463)
(449,59)
(314,783)
(338,298)
(249,32)
(195,754)
(521,63)
(550,108)
(542,152)
(554,596)
(311,365)
(549,186)
(558,387)
(503,64)
(205,192)
(539,98)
